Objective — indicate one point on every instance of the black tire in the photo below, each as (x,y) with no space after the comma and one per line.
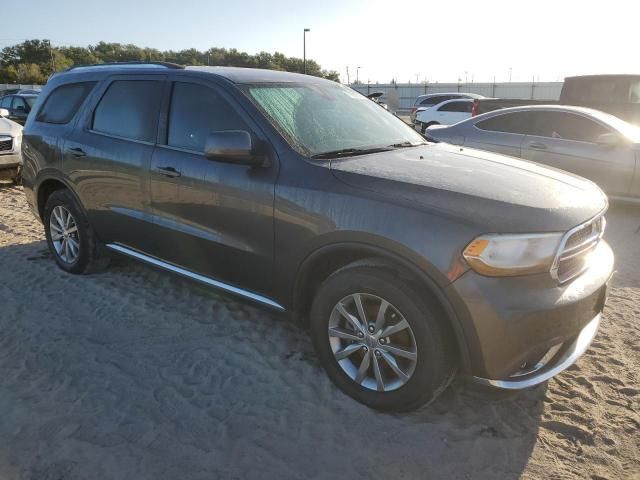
(91,255)
(435,365)
(423,128)
(17,180)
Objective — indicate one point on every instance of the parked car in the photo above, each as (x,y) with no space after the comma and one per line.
(587,142)
(618,95)
(12,91)
(10,143)
(427,101)
(409,261)
(18,106)
(29,91)
(445,113)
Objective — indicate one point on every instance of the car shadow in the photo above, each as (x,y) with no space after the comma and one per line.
(136,373)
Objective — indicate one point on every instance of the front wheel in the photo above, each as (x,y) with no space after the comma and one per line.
(379,341)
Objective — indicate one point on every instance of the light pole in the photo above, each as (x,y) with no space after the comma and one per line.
(357,75)
(304,48)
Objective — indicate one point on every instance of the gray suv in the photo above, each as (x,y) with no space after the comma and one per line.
(408,261)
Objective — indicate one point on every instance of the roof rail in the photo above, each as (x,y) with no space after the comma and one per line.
(127,64)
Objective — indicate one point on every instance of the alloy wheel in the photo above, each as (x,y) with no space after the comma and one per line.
(64,234)
(372,342)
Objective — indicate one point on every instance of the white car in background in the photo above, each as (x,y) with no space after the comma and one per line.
(10,144)
(445,113)
(424,102)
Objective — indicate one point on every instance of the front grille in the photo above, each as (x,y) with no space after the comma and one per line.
(577,244)
(6,145)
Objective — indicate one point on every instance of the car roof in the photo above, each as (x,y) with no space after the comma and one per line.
(606,76)
(238,75)
(24,95)
(470,95)
(527,108)
(461,95)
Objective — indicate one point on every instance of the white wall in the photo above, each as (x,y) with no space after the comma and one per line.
(407,92)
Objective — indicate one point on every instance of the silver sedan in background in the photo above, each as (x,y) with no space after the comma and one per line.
(587,142)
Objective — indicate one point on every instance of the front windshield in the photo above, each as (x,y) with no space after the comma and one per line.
(321,118)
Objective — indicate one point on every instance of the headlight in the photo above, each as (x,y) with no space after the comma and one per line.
(17,142)
(508,255)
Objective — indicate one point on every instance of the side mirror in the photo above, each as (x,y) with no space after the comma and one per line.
(20,108)
(4,112)
(608,139)
(232,146)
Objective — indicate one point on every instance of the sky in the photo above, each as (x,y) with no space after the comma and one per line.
(408,40)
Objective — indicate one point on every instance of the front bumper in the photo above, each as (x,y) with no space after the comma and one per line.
(563,359)
(10,160)
(520,331)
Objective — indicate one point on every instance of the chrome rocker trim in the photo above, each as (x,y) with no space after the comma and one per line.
(196,276)
(568,358)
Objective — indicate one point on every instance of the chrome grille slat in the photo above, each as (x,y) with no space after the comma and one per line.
(6,145)
(574,252)
(572,257)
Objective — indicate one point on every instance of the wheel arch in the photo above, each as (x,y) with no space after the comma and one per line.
(46,186)
(328,259)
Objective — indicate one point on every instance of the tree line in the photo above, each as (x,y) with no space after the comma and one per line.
(33,61)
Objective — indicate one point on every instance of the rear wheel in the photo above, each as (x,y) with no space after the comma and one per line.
(71,239)
(379,341)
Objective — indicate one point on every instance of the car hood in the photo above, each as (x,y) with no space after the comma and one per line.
(8,127)
(494,192)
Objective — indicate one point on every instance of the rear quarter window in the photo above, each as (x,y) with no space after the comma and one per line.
(63,103)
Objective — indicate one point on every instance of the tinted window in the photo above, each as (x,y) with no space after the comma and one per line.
(518,122)
(456,107)
(196,111)
(18,102)
(568,126)
(6,102)
(63,103)
(129,109)
(436,100)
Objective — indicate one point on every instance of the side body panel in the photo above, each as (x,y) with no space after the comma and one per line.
(215,218)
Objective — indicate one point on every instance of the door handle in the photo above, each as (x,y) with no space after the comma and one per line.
(168,171)
(538,145)
(77,152)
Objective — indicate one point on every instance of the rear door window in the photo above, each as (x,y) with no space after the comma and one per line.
(62,104)
(129,109)
(436,100)
(5,102)
(197,110)
(569,126)
(456,107)
(518,122)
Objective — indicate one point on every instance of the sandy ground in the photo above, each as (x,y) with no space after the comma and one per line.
(138,374)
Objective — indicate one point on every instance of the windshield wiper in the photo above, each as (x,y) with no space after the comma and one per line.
(351,152)
(405,145)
